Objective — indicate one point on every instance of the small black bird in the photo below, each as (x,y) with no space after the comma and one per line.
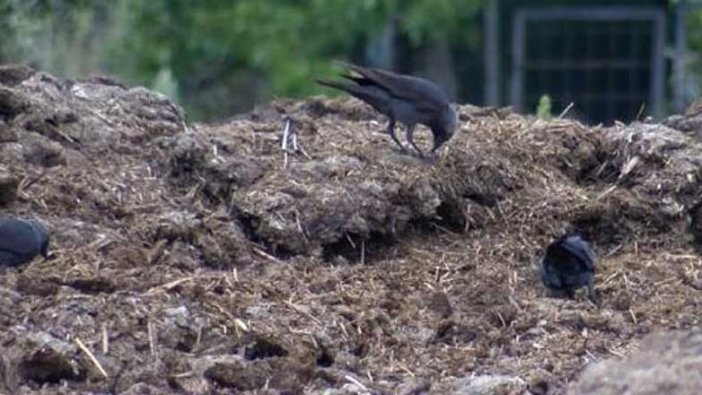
(21,241)
(568,265)
(407,99)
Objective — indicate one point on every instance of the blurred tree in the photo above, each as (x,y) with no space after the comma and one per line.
(224,56)
(62,36)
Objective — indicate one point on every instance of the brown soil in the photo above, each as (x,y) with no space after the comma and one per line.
(188,259)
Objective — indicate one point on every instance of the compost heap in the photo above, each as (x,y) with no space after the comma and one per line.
(196,258)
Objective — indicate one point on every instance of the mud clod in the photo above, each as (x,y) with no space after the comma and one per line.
(47,366)
(264,348)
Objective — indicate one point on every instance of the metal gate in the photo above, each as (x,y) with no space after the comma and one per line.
(607,61)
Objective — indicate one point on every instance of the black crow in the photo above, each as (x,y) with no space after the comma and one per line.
(568,265)
(407,99)
(21,241)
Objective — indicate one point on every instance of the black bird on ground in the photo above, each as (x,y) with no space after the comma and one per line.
(21,241)
(407,99)
(569,265)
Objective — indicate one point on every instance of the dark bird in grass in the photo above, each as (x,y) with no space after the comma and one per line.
(21,241)
(402,98)
(569,265)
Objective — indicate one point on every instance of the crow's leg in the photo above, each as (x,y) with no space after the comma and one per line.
(552,293)
(409,135)
(391,132)
(437,144)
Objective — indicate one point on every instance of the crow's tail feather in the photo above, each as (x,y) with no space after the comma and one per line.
(336,85)
(363,81)
(365,93)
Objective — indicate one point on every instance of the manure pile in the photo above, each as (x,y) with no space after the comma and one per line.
(197,259)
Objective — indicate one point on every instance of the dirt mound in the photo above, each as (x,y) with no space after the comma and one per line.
(690,122)
(666,363)
(204,259)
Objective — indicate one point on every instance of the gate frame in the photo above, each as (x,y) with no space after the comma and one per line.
(527,14)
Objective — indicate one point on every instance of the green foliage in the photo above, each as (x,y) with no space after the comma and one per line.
(52,33)
(279,46)
(289,42)
(543,109)
(166,84)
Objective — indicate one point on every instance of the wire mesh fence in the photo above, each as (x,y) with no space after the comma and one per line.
(608,62)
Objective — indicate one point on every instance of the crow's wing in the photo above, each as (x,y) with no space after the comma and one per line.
(11,259)
(425,95)
(371,94)
(580,249)
(42,234)
(548,275)
(18,237)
